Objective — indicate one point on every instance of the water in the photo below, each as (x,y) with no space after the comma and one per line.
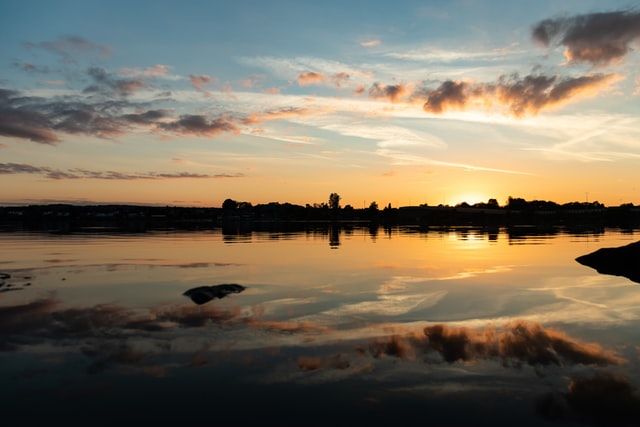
(98,324)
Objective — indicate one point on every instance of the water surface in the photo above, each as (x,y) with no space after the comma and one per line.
(330,326)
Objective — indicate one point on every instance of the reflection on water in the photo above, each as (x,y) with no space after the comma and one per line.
(320,324)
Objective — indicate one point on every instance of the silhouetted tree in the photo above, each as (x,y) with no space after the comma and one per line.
(516,203)
(493,204)
(373,207)
(334,201)
(229,204)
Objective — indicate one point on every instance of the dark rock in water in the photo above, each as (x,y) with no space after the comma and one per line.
(204,294)
(623,261)
(4,276)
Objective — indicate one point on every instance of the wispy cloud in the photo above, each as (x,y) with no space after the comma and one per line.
(106,83)
(369,43)
(79,173)
(159,71)
(405,159)
(291,68)
(69,46)
(28,67)
(386,136)
(436,55)
(200,81)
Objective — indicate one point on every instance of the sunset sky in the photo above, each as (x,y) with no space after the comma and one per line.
(189,103)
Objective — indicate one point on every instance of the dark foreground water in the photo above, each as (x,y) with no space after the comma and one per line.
(364,327)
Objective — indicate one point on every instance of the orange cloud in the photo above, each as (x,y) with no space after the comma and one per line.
(281,113)
(392,93)
(200,81)
(519,96)
(515,343)
(312,363)
(309,78)
(340,79)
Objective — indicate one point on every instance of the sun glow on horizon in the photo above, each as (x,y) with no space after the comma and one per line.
(470,198)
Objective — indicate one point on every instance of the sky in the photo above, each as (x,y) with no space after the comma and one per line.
(404,102)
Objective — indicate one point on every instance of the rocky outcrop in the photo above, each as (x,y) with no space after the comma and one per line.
(204,294)
(622,261)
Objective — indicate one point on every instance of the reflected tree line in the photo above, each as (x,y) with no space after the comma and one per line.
(334,234)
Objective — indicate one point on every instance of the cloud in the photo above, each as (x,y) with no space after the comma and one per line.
(448,55)
(200,125)
(41,120)
(402,158)
(340,79)
(252,81)
(279,114)
(106,84)
(309,78)
(106,355)
(69,46)
(32,68)
(146,118)
(595,38)
(449,95)
(369,43)
(515,343)
(519,342)
(313,363)
(44,319)
(200,81)
(57,174)
(292,68)
(156,71)
(20,121)
(403,347)
(393,93)
(288,327)
(519,96)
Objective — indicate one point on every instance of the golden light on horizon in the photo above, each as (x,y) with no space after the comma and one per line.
(470,198)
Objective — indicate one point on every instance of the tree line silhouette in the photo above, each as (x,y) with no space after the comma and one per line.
(133,217)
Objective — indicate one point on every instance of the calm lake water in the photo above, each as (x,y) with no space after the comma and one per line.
(445,327)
